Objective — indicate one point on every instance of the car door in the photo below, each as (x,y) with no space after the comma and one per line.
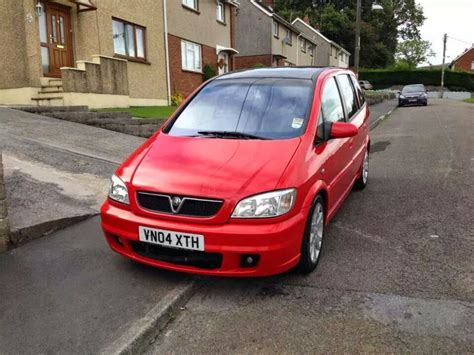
(334,152)
(356,113)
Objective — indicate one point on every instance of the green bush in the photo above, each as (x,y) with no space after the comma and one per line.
(208,72)
(454,80)
(258,65)
(176,99)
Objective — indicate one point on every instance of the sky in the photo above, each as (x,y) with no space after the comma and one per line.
(454,17)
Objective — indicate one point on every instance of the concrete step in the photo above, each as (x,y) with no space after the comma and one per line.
(48,95)
(55,82)
(57,101)
(52,88)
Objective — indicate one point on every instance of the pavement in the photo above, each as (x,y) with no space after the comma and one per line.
(56,172)
(396,273)
(380,111)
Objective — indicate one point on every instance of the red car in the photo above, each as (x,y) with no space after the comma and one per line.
(243,178)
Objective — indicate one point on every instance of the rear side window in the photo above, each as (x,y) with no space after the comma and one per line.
(331,102)
(359,93)
(348,95)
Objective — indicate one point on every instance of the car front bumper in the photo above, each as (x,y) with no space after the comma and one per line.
(277,245)
(413,101)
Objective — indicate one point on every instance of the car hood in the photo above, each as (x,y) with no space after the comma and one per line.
(211,167)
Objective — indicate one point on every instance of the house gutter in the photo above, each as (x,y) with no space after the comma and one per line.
(167,58)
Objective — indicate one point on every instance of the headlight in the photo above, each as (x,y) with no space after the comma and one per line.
(401,96)
(270,204)
(118,191)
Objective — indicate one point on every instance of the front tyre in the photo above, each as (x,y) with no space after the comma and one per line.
(313,238)
(363,179)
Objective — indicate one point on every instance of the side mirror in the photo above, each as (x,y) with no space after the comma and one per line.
(342,130)
(399,92)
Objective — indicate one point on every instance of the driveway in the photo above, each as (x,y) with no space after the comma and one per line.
(397,268)
(56,170)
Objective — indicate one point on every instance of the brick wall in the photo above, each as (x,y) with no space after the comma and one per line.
(465,61)
(185,82)
(4,225)
(249,61)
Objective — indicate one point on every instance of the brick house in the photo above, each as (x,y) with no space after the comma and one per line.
(328,53)
(262,37)
(464,61)
(199,34)
(100,53)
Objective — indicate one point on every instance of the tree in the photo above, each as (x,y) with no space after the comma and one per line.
(380,30)
(414,52)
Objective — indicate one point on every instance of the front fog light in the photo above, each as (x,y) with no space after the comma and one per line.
(270,204)
(118,191)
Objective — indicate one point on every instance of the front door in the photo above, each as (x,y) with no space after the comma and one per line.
(57,46)
(223,63)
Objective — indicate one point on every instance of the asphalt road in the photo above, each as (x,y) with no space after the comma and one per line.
(397,269)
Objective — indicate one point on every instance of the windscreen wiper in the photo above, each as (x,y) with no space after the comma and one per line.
(230,134)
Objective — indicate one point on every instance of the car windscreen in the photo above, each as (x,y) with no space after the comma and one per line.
(413,89)
(270,108)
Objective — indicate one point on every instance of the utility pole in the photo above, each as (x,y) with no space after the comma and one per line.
(445,39)
(357,37)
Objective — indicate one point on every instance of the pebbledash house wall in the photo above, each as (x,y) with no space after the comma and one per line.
(20,65)
(200,27)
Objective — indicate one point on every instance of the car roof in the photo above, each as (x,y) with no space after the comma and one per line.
(412,85)
(308,73)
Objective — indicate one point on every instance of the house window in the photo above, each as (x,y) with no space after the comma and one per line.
(303,45)
(289,37)
(129,40)
(191,56)
(193,4)
(276,29)
(311,50)
(220,12)
(472,65)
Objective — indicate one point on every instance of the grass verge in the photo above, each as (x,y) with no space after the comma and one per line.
(144,111)
(470,101)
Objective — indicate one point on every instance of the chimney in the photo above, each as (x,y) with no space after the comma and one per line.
(306,19)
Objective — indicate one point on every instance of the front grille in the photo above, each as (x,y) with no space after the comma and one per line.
(195,258)
(190,206)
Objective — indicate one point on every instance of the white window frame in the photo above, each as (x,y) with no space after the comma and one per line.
(195,49)
(192,4)
(303,45)
(276,29)
(472,65)
(220,12)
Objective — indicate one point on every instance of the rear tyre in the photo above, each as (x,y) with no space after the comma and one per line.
(363,179)
(313,238)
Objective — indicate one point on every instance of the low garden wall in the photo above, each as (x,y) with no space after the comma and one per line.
(4,224)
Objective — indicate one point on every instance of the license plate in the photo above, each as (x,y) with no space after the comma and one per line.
(171,239)
(412,100)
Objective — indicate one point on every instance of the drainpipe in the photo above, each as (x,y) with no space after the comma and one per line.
(167,58)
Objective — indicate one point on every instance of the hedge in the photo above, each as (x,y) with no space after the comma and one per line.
(454,80)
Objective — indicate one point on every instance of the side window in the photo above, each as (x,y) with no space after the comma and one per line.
(360,94)
(331,102)
(348,95)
